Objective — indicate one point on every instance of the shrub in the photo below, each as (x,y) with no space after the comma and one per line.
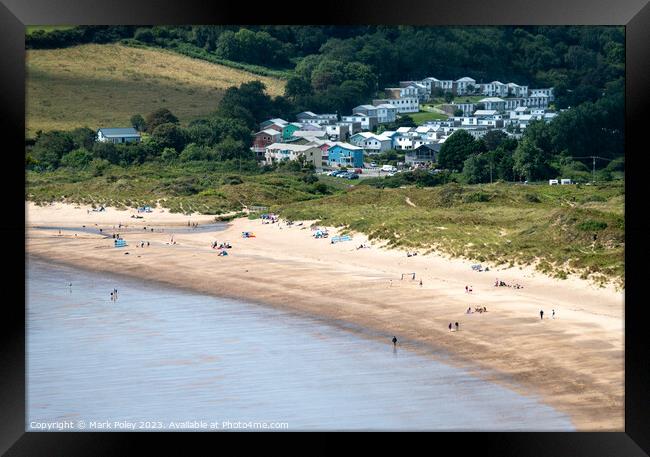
(591,225)
(232,180)
(532,198)
(99,166)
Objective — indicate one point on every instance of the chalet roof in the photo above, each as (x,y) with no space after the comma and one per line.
(119,132)
(485,112)
(277,121)
(491,99)
(364,107)
(347,146)
(268,132)
(290,147)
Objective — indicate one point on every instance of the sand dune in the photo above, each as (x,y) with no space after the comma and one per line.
(575,361)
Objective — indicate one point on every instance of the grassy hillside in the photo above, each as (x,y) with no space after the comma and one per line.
(104,85)
(550,227)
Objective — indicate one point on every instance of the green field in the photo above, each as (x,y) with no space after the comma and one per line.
(424,116)
(104,85)
(551,227)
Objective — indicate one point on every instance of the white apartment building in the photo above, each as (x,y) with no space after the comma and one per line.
(463,84)
(403,105)
(548,92)
(516,90)
(495,89)
(277,152)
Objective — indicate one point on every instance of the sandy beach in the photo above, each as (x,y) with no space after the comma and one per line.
(574,361)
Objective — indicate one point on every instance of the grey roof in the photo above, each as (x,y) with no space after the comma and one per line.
(122,131)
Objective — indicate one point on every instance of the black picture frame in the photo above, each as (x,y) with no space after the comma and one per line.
(633,14)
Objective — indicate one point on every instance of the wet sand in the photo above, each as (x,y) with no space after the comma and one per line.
(575,362)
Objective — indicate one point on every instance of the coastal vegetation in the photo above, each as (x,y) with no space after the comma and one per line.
(560,229)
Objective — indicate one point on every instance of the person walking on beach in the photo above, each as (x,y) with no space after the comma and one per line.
(394,341)
(456,326)
(466,289)
(553,314)
(420,283)
(112,298)
(450,326)
(541,314)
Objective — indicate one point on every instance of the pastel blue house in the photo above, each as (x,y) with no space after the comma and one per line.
(345,155)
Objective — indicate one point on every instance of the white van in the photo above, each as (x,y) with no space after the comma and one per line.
(388,168)
(553,182)
(565,181)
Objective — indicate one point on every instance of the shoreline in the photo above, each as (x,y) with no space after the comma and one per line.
(337,283)
(428,350)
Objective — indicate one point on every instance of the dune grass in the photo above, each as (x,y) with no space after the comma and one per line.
(551,228)
(104,85)
(208,188)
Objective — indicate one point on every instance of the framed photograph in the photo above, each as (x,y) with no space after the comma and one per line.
(381,218)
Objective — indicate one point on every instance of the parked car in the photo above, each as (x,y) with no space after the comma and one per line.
(358,171)
(351,176)
(373,164)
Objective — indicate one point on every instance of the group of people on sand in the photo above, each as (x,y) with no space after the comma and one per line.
(457,326)
(270,219)
(224,245)
(411,254)
(143,244)
(468,289)
(477,309)
(114,295)
(498,283)
(362,246)
(192,224)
